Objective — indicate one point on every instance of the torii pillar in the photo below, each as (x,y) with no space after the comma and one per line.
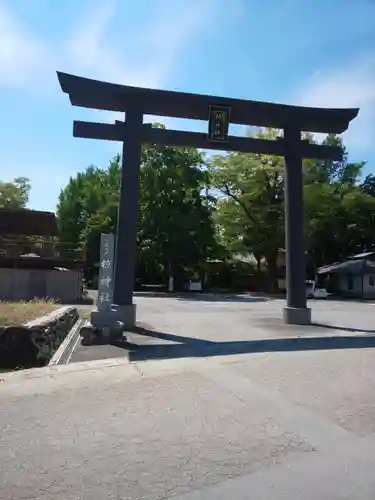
(296,311)
(127,219)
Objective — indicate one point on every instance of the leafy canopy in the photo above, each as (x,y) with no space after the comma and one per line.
(15,194)
(175,227)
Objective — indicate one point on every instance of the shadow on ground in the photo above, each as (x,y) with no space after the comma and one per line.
(343,328)
(83,301)
(217,298)
(204,296)
(185,347)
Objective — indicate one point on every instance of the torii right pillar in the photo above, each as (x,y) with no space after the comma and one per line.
(296,311)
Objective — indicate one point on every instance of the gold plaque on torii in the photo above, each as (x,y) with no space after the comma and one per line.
(218,123)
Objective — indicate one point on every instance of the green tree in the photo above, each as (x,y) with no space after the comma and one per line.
(92,192)
(87,207)
(339,215)
(332,172)
(250,210)
(175,229)
(368,185)
(339,222)
(339,212)
(15,194)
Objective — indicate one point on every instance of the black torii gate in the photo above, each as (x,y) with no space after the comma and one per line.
(135,102)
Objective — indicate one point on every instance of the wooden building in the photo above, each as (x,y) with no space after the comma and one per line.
(33,262)
(354,277)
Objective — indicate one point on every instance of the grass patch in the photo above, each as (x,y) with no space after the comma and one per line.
(85,312)
(18,313)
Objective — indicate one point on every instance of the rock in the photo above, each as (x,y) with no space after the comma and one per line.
(35,343)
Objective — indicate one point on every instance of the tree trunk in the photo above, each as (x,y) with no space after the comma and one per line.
(170,278)
(258,267)
(260,278)
(171,284)
(272,278)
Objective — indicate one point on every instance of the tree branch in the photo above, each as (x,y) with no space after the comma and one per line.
(235,198)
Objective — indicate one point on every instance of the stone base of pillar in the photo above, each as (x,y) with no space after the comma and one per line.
(126,315)
(297,316)
(87,333)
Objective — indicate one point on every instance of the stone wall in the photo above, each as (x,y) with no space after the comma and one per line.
(28,284)
(34,343)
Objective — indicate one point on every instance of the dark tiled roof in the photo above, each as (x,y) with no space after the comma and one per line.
(27,222)
(353,266)
(363,255)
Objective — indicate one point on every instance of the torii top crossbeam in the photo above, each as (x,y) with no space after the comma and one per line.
(95,94)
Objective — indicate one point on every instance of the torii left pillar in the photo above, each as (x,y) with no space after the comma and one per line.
(296,311)
(123,308)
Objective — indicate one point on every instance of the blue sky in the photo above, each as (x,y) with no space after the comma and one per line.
(310,52)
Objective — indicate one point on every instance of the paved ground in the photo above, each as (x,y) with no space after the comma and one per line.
(205,325)
(261,411)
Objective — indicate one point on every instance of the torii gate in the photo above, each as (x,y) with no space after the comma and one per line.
(136,102)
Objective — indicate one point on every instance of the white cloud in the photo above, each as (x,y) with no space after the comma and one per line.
(88,49)
(99,53)
(93,50)
(351,86)
(144,56)
(90,46)
(22,55)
